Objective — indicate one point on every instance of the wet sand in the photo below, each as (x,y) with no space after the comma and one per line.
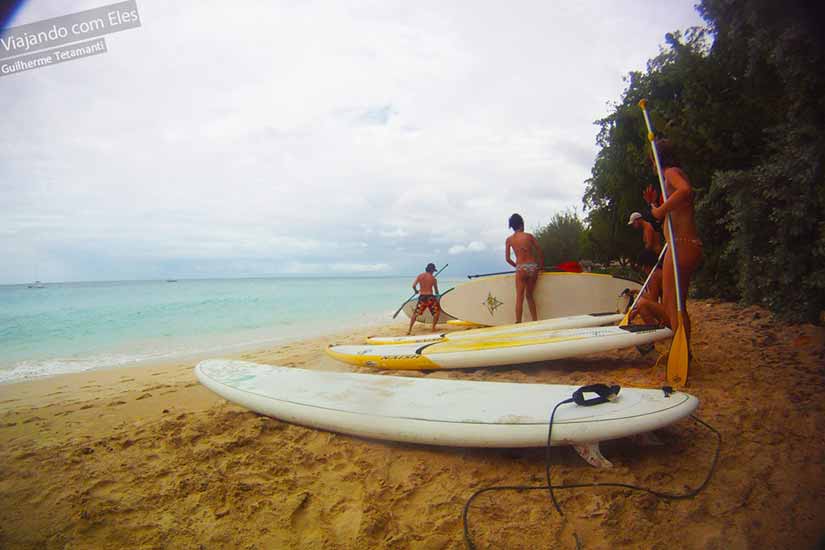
(146,457)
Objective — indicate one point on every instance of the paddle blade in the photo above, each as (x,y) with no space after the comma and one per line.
(626,320)
(677,361)
(402,306)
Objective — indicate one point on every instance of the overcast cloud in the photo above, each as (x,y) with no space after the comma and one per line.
(309,137)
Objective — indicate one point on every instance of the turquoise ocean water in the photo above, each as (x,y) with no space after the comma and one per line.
(71,327)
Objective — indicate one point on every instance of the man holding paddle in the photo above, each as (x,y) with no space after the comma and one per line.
(427,296)
(650,238)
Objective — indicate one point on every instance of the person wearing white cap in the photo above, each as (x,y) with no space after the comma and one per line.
(652,241)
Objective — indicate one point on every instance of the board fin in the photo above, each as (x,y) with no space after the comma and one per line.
(591,453)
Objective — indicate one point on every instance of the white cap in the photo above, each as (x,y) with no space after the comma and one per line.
(633,217)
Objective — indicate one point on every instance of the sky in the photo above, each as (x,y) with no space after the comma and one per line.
(302,137)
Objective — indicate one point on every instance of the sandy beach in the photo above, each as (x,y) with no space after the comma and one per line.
(146,457)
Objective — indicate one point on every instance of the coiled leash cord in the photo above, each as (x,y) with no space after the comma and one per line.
(604,394)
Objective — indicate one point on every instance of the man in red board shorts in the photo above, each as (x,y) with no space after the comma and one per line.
(427,296)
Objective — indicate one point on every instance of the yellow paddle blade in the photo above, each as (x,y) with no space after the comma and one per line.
(626,320)
(677,361)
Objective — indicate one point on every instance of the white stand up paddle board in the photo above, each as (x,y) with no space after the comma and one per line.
(507,349)
(441,412)
(491,300)
(575,321)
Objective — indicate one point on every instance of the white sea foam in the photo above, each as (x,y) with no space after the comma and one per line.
(28,370)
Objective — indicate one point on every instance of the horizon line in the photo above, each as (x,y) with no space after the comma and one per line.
(215,278)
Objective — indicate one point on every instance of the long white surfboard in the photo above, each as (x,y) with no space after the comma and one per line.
(439,412)
(491,300)
(494,351)
(575,321)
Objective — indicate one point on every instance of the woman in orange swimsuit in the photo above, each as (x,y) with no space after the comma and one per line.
(679,205)
(529,263)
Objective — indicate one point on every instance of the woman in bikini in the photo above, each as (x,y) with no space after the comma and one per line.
(529,263)
(679,205)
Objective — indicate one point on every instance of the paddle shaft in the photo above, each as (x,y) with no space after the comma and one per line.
(663,186)
(416,293)
(638,297)
(678,360)
(546,269)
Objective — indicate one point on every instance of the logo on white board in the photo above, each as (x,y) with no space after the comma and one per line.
(492,303)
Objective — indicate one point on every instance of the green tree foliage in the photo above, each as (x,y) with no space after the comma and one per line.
(622,169)
(561,240)
(747,113)
(776,202)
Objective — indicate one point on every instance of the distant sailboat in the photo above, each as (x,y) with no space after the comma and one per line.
(37,284)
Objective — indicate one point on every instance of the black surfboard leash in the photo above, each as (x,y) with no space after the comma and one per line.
(604,394)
